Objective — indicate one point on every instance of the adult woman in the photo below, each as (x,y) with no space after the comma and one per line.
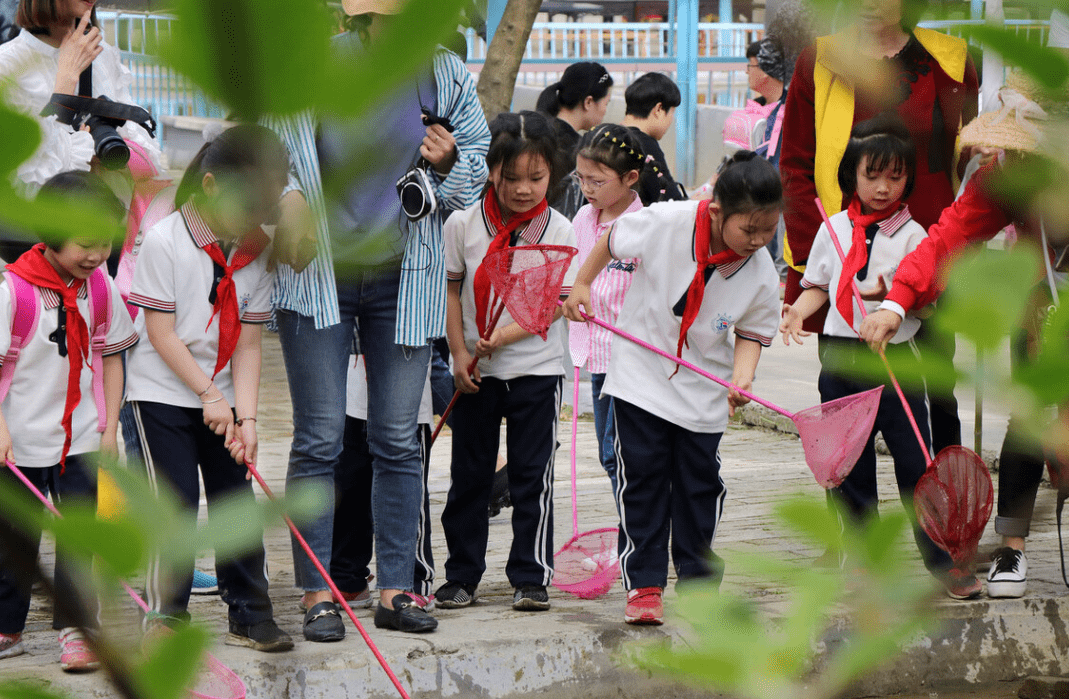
(881,61)
(392,295)
(577,103)
(59,40)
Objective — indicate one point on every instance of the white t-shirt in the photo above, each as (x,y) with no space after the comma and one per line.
(175,275)
(898,236)
(1059,30)
(467,238)
(743,297)
(33,407)
(31,66)
(356,392)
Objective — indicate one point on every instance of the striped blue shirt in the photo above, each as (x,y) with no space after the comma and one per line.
(421,299)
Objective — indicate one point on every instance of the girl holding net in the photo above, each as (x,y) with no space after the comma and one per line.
(704,273)
(518,376)
(607,167)
(876,231)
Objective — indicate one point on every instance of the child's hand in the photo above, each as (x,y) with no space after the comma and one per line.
(877,294)
(244,446)
(578,300)
(7,449)
(218,416)
(736,399)
(109,446)
(461,379)
(879,327)
(791,325)
(484,348)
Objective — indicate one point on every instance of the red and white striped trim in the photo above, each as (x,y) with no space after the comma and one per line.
(50,299)
(120,346)
(151,303)
(890,225)
(198,229)
(256,318)
(765,341)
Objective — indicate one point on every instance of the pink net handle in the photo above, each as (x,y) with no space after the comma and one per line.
(883,356)
(575,428)
(683,363)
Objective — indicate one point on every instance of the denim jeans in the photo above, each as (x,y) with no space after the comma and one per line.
(604,426)
(316,365)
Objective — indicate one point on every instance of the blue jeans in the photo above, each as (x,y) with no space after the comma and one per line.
(316,365)
(605,427)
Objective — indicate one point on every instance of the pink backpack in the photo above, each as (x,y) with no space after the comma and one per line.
(26,309)
(745,128)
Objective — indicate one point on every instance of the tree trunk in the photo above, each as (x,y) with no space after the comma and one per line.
(504,55)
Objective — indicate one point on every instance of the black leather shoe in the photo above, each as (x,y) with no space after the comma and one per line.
(322,623)
(405,616)
(264,636)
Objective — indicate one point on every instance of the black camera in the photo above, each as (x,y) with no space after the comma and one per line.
(110,147)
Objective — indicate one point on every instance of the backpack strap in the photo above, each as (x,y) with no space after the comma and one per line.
(25,310)
(100,312)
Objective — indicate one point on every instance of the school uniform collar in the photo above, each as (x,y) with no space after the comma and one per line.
(726,271)
(50,299)
(195,224)
(635,205)
(893,223)
(532,233)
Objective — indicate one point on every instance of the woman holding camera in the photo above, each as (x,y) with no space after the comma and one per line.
(58,41)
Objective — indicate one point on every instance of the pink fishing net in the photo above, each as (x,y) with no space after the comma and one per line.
(953,500)
(217,681)
(587,566)
(528,279)
(835,433)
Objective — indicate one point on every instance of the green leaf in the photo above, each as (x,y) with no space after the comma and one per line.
(118,542)
(987,293)
(1048,66)
(56,219)
(174,663)
(812,519)
(22,135)
(21,689)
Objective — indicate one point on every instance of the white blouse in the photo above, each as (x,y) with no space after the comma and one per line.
(28,68)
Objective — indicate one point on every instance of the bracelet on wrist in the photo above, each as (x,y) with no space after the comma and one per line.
(213,400)
(243,420)
(205,391)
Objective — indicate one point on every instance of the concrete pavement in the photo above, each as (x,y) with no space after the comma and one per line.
(575,648)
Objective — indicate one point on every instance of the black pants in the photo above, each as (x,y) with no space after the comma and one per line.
(668,484)
(1020,469)
(76,487)
(354,527)
(858,490)
(531,404)
(938,348)
(175,442)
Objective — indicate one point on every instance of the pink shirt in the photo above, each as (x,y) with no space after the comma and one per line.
(608,290)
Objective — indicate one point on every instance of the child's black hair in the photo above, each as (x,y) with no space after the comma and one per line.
(649,90)
(579,81)
(887,142)
(239,148)
(614,146)
(512,135)
(86,186)
(747,184)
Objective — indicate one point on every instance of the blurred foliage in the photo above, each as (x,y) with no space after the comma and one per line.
(754,654)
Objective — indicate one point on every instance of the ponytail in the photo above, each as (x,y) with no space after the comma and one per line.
(747,183)
(240,148)
(579,81)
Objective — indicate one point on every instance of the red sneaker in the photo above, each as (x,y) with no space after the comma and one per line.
(11,645)
(75,654)
(644,607)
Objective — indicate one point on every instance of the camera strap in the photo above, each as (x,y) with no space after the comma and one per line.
(74,110)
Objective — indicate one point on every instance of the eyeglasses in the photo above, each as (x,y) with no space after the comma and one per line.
(751,66)
(592,185)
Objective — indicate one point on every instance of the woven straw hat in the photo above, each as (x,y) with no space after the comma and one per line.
(1019,123)
(379,7)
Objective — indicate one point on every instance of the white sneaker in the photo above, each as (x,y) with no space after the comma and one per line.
(1008,576)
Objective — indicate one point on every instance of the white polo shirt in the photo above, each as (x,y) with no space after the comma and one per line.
(175,275)
(897,236)
(740,299)
(467,238)
(1059,30)
(33,407)
(356,392)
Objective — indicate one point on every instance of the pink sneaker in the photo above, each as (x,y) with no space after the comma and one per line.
(644,607)
(11,645)
(75,654)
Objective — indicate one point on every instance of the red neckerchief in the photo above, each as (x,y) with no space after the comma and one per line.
(858,254)
(34,268)
(703,229)
(502,238)
(226,297)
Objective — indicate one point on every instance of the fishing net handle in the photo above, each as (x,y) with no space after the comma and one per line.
(330,583)
(683,363)
(883,356)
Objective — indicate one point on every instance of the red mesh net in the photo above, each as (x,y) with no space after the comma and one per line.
(587,565)
(835,433)
(217,681)
(953,500)
(528,279)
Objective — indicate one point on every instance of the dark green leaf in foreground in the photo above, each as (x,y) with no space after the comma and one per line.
(1049,67)
(174,664)
(22,135)
(20,689)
